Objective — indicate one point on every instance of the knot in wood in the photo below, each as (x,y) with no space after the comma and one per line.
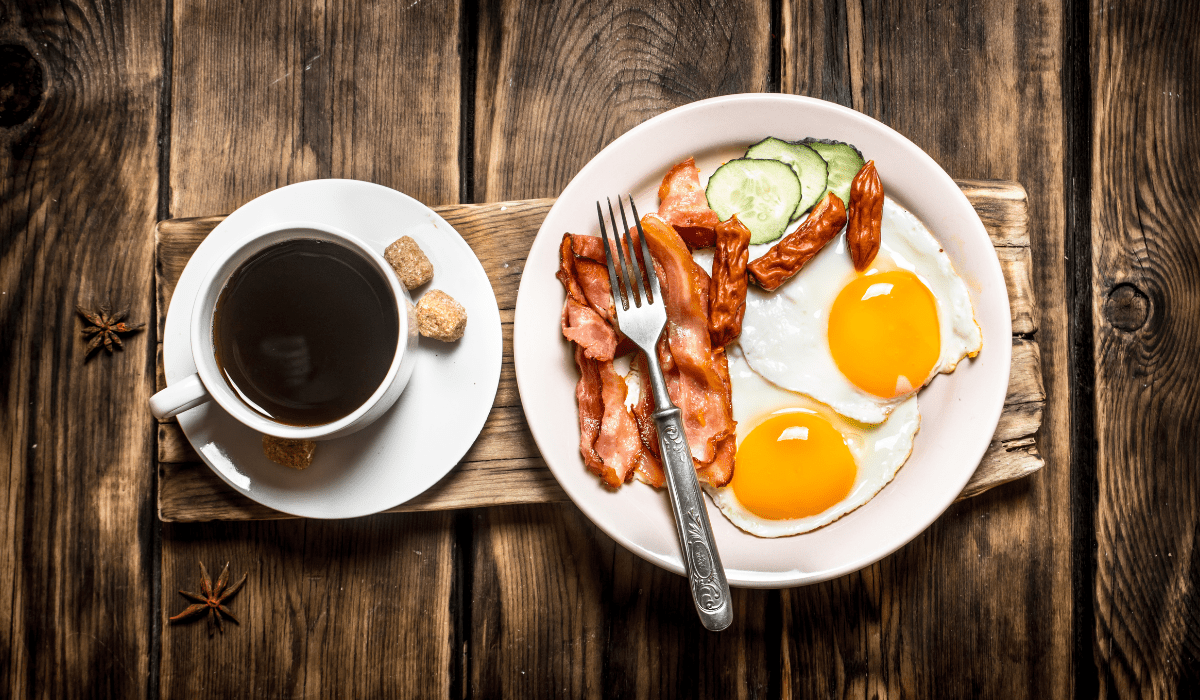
(1127,308)
(21,84)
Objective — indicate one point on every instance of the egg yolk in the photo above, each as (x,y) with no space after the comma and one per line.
(884,334)
(791,466)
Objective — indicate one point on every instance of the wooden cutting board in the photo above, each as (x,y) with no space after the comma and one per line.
(503,466)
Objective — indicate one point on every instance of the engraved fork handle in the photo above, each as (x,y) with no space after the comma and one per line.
(710,589)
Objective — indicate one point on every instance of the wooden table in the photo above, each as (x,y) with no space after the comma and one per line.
(1080,580)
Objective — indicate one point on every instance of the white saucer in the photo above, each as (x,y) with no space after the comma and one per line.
(442,409)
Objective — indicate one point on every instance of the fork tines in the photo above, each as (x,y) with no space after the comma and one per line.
(626,281)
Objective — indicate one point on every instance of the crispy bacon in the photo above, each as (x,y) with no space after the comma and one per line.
(585,327)
(719,471)
(617,443)
(593,279)
(608,435)
(591,411)
(685,206)
(566,269)
(698,379)
(590,247)
(609,440)
(581,322)
(650,469)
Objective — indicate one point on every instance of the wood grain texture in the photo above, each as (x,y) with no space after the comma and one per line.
(504,467)
(558,81)
(263,95)
(967,608)
(1146,311)
(349,609)
(1013,452)
(560,610)
(79,101)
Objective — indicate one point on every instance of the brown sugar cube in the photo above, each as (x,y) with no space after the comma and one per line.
(440,317)
(296,454)
(409,262)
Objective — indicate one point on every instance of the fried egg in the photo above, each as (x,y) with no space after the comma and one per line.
(863,344)
(800,465)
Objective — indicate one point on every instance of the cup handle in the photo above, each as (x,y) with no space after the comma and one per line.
(187,393)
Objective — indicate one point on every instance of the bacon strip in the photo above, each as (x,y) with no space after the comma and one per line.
(695,382)
(609,440)
(590,247)
(719,471)
(685,206)
(593,279)
(585,327)
(650,469)
(591,411)
(581,322)
(619,444)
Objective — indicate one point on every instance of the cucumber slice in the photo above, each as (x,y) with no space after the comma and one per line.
(810,167)
(763,193)
(844,163)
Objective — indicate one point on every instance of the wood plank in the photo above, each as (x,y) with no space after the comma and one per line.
(79,157)
(559,609)
(360,606)
(504,467)
(263,95)
(265,98)
(613,67)
(1145,254)
(979,88)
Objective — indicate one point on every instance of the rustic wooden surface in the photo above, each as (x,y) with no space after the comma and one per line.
(503,467)
(1146,335)
(79,119)
(1079,581)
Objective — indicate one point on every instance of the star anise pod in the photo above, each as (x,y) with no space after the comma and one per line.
(212,601)
(104,328)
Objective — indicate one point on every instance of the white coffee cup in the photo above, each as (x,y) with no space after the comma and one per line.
(207,384)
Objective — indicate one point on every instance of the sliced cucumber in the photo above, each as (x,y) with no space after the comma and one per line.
(844,163)
(763,193)
(810,167)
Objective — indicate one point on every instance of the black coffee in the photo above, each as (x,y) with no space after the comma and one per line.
(305,331)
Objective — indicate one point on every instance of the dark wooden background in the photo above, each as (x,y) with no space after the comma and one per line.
(1080,581)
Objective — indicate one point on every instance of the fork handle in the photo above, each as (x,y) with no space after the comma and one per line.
(710,589)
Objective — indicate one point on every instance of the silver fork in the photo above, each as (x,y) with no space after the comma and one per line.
(642,318)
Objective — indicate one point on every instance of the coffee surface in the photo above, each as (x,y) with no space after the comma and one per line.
(305,331)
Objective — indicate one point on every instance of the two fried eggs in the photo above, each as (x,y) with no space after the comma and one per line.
(825,375)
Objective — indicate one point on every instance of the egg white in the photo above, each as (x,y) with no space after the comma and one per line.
(878,450)
(784,333)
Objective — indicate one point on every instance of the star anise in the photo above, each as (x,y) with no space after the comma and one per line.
(213,600)
(104,328)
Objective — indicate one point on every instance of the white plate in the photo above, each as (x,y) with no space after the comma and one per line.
(959,411)
(436,419)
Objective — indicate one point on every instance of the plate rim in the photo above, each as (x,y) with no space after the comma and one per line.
(767,579)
